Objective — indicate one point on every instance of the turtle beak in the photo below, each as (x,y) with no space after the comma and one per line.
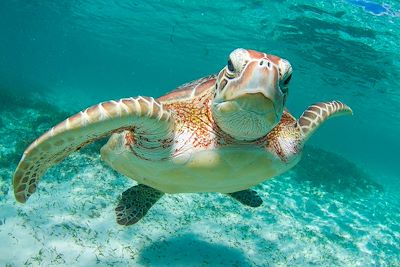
(275,98)
(258,90)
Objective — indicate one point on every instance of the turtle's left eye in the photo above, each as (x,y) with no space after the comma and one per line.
(284,85)
(287,80)
(230,66)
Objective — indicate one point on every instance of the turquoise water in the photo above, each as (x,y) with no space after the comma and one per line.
(339,206)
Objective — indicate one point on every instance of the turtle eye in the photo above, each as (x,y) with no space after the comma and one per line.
(286,82)
(230,66)
(284,87)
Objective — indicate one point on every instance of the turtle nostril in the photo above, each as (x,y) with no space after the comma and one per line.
(265,61)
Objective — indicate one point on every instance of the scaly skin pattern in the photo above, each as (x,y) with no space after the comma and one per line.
(204,158)
(196,129)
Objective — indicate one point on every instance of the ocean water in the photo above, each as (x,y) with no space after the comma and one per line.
(339,206)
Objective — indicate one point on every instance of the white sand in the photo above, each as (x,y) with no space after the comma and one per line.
(70,222)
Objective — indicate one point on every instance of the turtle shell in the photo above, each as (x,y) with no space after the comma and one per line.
(189,90)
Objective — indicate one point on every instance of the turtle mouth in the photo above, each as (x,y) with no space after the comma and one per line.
(246,117)
(256,103)
(251,105)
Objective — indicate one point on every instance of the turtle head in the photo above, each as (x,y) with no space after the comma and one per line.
(251,92)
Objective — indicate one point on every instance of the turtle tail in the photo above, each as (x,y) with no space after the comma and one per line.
(318,113)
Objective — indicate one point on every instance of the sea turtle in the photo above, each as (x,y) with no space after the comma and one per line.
(223,133)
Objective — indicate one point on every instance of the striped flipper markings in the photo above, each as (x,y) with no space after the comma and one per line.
(317,113)
(143,114)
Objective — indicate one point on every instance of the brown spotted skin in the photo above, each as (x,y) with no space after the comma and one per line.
(195,115)
(192,111)
(203,157)
(285,140)
(196,118)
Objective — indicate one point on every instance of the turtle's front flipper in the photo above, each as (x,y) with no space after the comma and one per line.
(316,114)
(247,197)
(151,123)
(135,203)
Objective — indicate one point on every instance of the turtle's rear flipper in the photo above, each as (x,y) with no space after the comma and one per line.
(135,203)
(247,197)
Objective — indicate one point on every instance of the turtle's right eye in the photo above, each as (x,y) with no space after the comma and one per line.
(230,66)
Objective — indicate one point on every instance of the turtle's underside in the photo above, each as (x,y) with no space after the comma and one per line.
(223,133)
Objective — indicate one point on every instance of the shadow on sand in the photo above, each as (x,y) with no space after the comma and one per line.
(334,173)
(189,250)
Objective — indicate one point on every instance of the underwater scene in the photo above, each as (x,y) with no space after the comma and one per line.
(338,206)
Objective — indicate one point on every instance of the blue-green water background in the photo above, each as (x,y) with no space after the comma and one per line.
(77,53)
(99,50)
